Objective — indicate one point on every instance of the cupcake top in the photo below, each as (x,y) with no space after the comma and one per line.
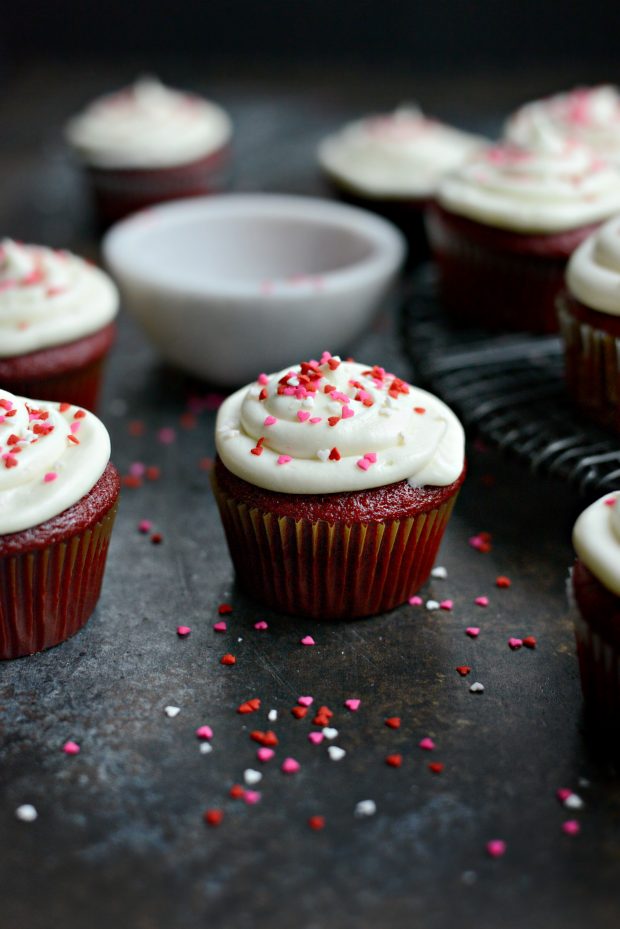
(49,297)
(397,154)
(596,538)
(328,426)
(148,125)
(593,273)
(552,186)
(588,114)
(51,454)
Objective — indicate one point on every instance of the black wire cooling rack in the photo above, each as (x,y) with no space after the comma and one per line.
(509,389)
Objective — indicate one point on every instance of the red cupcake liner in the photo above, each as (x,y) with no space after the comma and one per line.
(592,360)
(599,666)
(72,373)
(497,279)
(121,191)
(49,589)
(331,570)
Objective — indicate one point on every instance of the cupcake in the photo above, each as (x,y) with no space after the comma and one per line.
(335,482)
(505,224)
(58,498)
(148,143)
(596,590)
(589,313)
(588,114)
(392,163)
(56,323)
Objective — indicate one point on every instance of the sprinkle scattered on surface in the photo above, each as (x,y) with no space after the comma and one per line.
(213,817)
(365,808)
(496,848)
(316,823)
(71,748)
(439,572)
(426,744)
(394,761)
(26,813)
(228,659)
(393,722)
(481,601)
(353,704)
(307,640)
(463,670)
(335,752)
(472,631)
(477,688)
(290,766)
(183,631)
(172,711)
(571,827)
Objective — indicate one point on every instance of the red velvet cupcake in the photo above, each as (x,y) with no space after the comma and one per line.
(147,144)
(505,225)
(335,482)
(596,589)
(589,315)
(56,324)
(58,499)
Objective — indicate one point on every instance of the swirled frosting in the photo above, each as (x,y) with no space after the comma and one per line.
(589,114)
(552,186)
(328,426)
(51,454)
(148,125)
(397,154)
(596,538)
(593,272)
(49,297)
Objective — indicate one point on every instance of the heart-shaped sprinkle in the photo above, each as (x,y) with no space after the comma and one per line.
(299,711)
(261,624)
(563,793)
(496,848)
(432,605)
(182,631)
(514,643)
(393,722)
(427,744)
(336,753)
(347,412)
(571,827)
(352,704)
(439,572)
(308,640)
(265,754)
(322,454)
(573,802)
(305,701)
(270,421)
(472,631)
(290,766)
(329,732)
(315,737)
(204,732)
(236,792)
(316,823)
(463,670)
(172,711)
(303,415)
(481,601)
(436,767)
(394,761)
(365,808)
(477,688)
(228,659)
(213,817)
(220,626)
(251,776)
(269,739)
(284,459)
(251,797)
(529,641)
(415,601)
(71,748)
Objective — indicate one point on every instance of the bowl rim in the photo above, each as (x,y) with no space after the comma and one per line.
(385,257)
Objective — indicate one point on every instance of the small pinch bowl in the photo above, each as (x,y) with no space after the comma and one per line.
(229,285)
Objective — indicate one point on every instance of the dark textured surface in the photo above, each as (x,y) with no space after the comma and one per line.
(120,841)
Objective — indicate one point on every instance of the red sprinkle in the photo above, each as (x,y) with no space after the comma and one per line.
(317,823)
(503,581)
(269,738)
(236,792)
(334,455)
(157,538)
(436,767)
(463,670)
(394,761)
(213,817)
(529,641)
(224,608)
(250,706)
(299,711)
(392,722)
(228,659)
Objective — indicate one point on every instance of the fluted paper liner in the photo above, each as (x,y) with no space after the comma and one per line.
(599,665)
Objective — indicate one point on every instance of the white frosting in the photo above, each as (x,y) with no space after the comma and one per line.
(552,186)
(380,440)
(397,154)
(148,126)
(43,469)
(593,273)
(596,538)
(49,298)
(589,114)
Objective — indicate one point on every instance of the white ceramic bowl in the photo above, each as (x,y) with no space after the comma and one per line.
(228,286)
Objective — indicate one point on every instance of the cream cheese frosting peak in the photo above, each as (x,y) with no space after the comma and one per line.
(396,154)
(596,538)
(553,185)
(327,426)
(593,272)
(148,125)
(49,297)
(51,454)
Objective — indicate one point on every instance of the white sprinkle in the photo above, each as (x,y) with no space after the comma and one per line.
(573,802)
(239,640)
(439,572)
(323,453)
(366,808)
(336,753)
(432,605)
(172,711)
(250,776)
(205,748)
(477,688)
(307,403)
(329,732)
(26,812)
(272,715)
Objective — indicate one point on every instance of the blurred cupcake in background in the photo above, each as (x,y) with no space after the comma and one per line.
(148,143)
(588,114)
(56,323)
(391,163)
(589,315)
(505,223)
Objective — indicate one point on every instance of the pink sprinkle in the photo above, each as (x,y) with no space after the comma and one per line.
(284,459)
(265,754)
(446,604)
(514,644)
(371,457)
(167,435)
(305,701)
(416,601)
(71,748)
(308,640)
(315,419)
(352,704)
(363,464)
(347,412)
(220,626)
(251,797)
(290,766)
(315,737)
(204,732)
(610,501)
(74,427)
(50,476)
(472,631)
(571,827)
(427,744)
(303,415)
(263,379)
(137,469)
(496,848)
(481,601)
(183,631)
(145,525)
(270,421)
(563,793)
(261,624)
